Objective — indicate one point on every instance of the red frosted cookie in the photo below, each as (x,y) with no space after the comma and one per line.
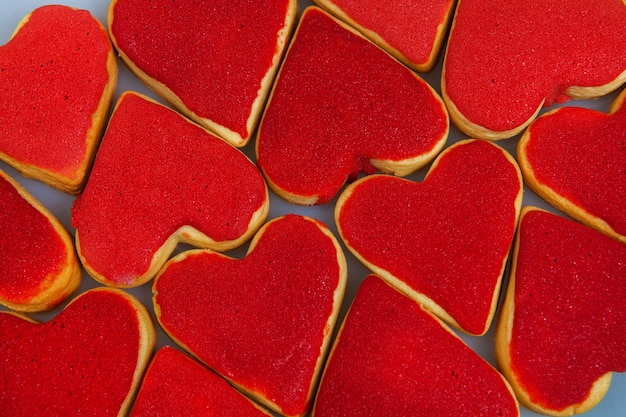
(411,30)
(392,358)
(176,385)
(506,59)
(444,241)
(575,158)
(88,360)
(38,266)
(158,180)
(342,106)
(213,60)
(57,78)
(562,329)
(264,322)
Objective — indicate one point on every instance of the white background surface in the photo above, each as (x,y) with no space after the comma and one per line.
(12,11)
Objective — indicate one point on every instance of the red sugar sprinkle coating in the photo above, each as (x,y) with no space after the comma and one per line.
(79,363)
(581,155)
(52,76)
(177,385)
(569,323)
(447,237)
(30,246)
(260,320)
(394,359)
(408,26)
(505,57)
(340,101)
(224,48)
(154,173)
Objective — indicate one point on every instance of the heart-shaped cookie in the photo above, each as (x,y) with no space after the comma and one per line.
(393,358)
(88,360)
(506,59)
(575,159)
(177,385)
(444,241)
(411,31)
(562,328)
(214,60)
(57,78)
(264,322)
(158,180)
(38,266)
(342,106)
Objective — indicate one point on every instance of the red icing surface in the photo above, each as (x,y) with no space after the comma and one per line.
(79,363)
(52,77)
(339,102)
(569,324)
(409,26)
(154,173)
(30,246)
(498,81)
(447,237)
(223,48)
(393,359)
(259,321)
(581,155)
(176,385)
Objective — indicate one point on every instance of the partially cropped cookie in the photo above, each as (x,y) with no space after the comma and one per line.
(215,61)
(444,241)
(158,180)
(575,158)
(264,322)
(562,328)
(340,107)
(88,360)
(57,78)
(393,358)
(411,30)
(177,385)
(507,59)
(38,267)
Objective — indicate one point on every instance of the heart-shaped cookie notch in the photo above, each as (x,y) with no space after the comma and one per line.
(505,60)
(88,360)
(158,180)
(341,107)
(575,159)
(265,321)
(444,241)
(58,74)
